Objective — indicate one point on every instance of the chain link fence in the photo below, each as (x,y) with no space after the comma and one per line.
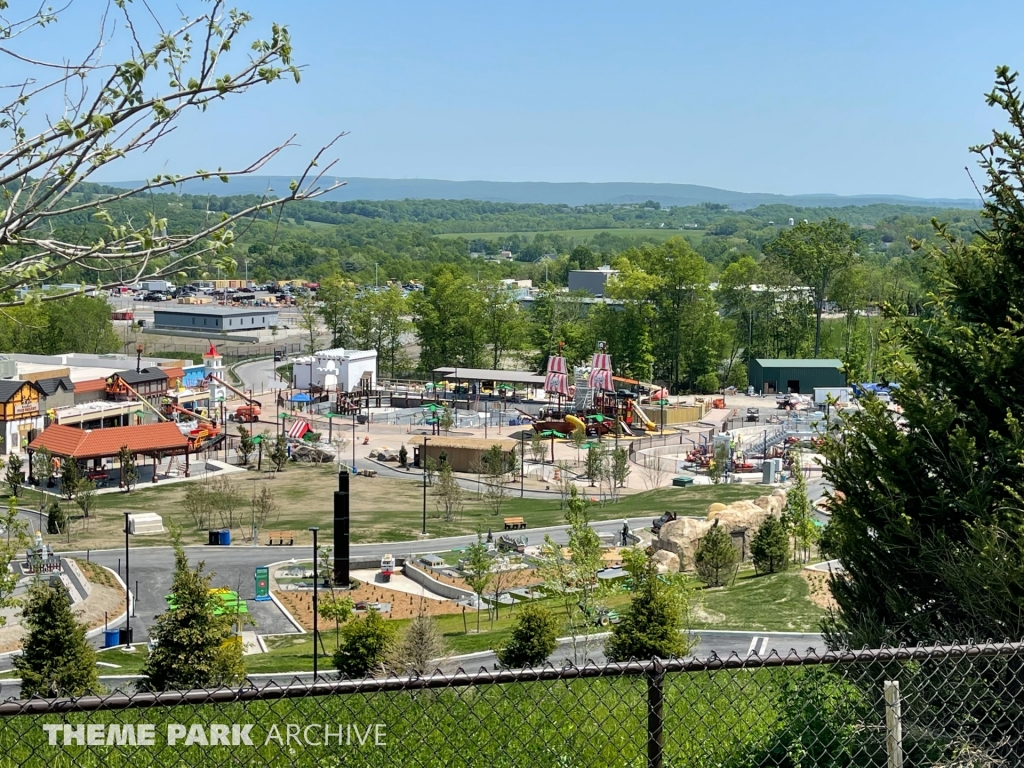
(944,707)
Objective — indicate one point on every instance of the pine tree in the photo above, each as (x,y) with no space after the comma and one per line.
(56,519)
(420,647)
(365,645)
(534,637)
(653,624)
(926,511)
(770,547)
(195,647)
(715,558)
(56,659)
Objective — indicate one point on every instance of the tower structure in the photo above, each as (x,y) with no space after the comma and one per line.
(213,364)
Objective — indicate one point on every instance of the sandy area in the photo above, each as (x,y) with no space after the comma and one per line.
(820,594)
(398,583)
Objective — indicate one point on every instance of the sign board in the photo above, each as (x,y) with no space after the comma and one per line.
(262,584)
(22,408)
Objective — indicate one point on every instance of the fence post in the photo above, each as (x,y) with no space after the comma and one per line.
(893,724)
(655,720)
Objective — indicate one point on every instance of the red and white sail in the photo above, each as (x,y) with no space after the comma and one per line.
(556,382)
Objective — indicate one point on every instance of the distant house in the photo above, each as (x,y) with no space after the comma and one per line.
(57,392)
(21,417)
(214,319)
(150,383)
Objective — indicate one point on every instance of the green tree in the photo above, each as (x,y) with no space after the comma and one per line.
(718,463)
(445,419)
(620,466)
(129,472)
(279,453)
(770,547)
(56,519)
(926,509)
(14,476)
(42,466)
(337,297)
(420,647)
(504,321)
(85,497)
(448,494)
(715,558)
(539,447)
(70,478)
(817,254)
(797,516)
(403,456)
(365,645)
(337,609)
(195,642)
(56,660)
(477,573)
(593,465)
(246,445)
(534,637)
(309,323)
(448,315)
(655,624)
(378,322)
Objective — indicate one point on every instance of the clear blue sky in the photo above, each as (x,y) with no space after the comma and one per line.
(797,97)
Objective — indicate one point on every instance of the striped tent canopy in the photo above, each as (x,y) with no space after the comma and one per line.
(298,429)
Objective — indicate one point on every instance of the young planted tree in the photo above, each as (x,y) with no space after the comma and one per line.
(445,419)
(279,453)
(538,448)
(56,659)
(14,476)
(420,648)
(715,558)
(656,623)
(198,504)
(195,643)
(449,497)
(594,465)
(564,484)
(495,469)
(534,637)
(85,497)
(797,517)
(225,498)
(571,574)
(42,466)
(246,445)
(129,472)
(403,456)
(70,477)
(478,573)
(338,609)
(718,463)
(264,507)
(620,466)
(578,436)
(56,519)
(365,645)
(770,547)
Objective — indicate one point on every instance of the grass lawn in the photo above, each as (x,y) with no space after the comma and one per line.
(779,602)
(383,509)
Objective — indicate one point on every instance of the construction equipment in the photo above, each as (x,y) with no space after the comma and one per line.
(600,617)
(247,414)
(241,393)
(667,517)
(206,429)
(387,567)
(128,388)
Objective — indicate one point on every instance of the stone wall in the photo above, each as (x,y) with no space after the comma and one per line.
(677,541)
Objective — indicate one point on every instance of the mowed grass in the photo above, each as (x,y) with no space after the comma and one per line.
(584,235)
(778,602)
(711,718)
(383,509)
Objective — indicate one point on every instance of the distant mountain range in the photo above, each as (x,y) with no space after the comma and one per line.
(569,193)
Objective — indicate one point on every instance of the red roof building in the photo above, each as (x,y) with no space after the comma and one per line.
(147,439)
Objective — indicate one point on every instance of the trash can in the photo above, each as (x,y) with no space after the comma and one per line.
(214,538)
(225,537)
(124,636)
(111,637)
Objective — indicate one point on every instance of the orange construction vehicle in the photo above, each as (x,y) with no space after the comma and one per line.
(207,429)
(247,414)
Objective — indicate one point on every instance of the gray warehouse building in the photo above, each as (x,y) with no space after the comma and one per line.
(214,319)
(800,376)
(590,280)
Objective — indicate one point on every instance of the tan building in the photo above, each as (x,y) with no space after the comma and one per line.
(463,453)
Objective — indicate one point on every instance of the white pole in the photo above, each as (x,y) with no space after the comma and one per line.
(893,724)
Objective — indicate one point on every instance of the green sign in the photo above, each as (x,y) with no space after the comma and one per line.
(262,584)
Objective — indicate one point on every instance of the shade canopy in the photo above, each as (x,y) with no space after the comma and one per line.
(300,397)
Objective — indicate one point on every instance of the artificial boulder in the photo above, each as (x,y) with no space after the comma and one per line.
(677,541)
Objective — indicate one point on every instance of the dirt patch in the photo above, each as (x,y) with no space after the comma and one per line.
(820,591)
(523,577)
(403,606)
(103,602)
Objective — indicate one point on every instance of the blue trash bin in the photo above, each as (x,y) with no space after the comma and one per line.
(225,538)
(111,637)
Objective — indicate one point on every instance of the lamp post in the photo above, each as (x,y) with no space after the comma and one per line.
(423,460)
(353,443)
(127,593)
(316,599)
(522,463)
(663,412)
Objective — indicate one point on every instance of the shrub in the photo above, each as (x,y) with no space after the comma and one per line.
(364,645)
(770,547)
(715,558)
(533,639)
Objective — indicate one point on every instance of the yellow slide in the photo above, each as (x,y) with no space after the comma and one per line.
(576,423)
(650,425)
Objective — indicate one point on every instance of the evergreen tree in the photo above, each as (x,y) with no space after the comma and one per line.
(926,511)
(365,645)
(419,648)
(56,519)
(246,445)
(534,637)
(14,476)
(653,625)
(715,558)
(770,547)
(195,646)
(56,660)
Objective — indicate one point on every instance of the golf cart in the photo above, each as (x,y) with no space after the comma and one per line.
(752,415)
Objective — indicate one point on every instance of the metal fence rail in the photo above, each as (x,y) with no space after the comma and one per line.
(945,707)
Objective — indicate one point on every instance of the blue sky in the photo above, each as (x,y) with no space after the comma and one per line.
(797,97)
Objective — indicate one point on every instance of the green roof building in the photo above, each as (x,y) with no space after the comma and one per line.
(773,377)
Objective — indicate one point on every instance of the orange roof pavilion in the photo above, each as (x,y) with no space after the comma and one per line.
(71,442)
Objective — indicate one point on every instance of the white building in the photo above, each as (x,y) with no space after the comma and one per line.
(347,370)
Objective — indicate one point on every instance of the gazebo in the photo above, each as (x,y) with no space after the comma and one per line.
(153,440)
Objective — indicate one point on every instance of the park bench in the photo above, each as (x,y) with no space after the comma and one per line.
(514,523)
(281,537)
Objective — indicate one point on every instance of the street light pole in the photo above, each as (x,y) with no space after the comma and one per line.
(316,600)
(127,593)
(522,463)
(423,460)
(353,443)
